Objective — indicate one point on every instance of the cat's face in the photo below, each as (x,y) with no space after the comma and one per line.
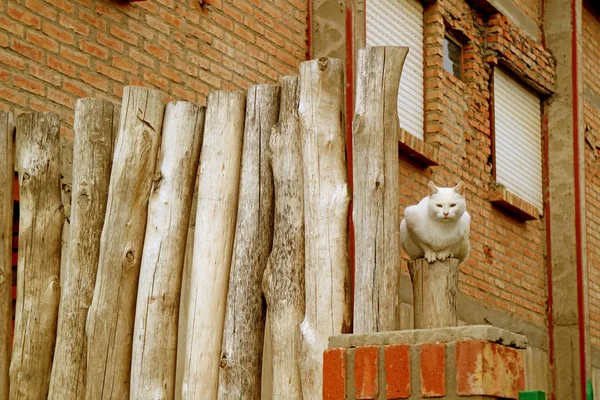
(447,204)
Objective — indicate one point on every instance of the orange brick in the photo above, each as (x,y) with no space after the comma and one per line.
(75,56)
(75,26)
(141,58)
(124,35)
(171,18)
(23,16)
(156,80)
(12,96)
(109,72)
(44,74)
(30,85)
(157,24)
(397,371)
(61,66)
(42,9)
(61,98)
(42,41)
(93,49)
(365,372)
(156,51)
(124,64)
(94,80)
(92,19)
(169,73)
(26,50)
(12,60)
(64,5)
(76,88)
(433,369)
(3,40)
(111,43)
(334,374)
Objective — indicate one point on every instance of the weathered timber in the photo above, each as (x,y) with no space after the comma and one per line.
(66,183)
(111,314)
(38,281)
(326,202)
(376,194)
(7,132)
(155,333)
(283,281)
(435,287)
(218,189)
(92,158)
(243,336)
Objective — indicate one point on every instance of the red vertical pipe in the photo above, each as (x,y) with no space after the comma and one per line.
(577,179)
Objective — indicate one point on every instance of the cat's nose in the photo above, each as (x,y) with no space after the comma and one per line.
(445,214)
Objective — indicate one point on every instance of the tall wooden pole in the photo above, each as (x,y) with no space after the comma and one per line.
(283,281)
(218,188)
(92,158)
(155,332)
(111,314)
(376,199)
(38,282)
(326,202)
(7,132)
(243,336)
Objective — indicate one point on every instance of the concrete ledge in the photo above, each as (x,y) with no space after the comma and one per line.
(416,150)
(420,336)
(513,204)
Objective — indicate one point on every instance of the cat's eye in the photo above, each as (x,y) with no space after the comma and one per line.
(439,205)
(453,205)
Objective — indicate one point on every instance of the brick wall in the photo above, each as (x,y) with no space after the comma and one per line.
(591,112)
(54,51)
(506,268)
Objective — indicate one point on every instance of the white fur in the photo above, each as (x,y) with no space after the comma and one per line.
(434,232)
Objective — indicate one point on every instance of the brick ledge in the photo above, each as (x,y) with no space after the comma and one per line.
(414,149)
(513,204)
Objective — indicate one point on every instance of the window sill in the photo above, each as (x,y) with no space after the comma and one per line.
(513,204)
(414,149)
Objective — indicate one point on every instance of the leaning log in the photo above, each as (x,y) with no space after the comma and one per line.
(7,132)
(435,287)
(111,314)
(38,281)
(283,281)
(243,336)
(376,195)
(213,241)
(92,156)
(155,332)
(326,202)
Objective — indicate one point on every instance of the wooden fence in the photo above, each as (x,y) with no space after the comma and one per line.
(269,232)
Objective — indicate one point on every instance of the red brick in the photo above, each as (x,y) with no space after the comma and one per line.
(76,88)
(244,33)
(94,80)
(156,80)
(263,18)
(222,21)
(92,19)
(109,12)
(141,58)
(30,85)
(41,8)
(200,34)
(484,368)
(12,96)
(93,49)
(75,26)
(172,47)
(3,40)
(221,72)
(171,18)
(44,74)
(124,35)
(61,66)
(64,5)
(42,41)
(183,93)
(112,73)
(110,42)
(255,26)
(75,56)
(157,24)
(272,11)
(61,98)
(58,33)
(140,29)
(4,77)
(12,60)
(397,371)
(156,51)
(28,51)
(24,16)
(334,374)
(365,372)
(433,369)
(125,64)
(169,73)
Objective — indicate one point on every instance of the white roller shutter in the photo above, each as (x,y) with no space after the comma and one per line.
(517,137)
(400,23)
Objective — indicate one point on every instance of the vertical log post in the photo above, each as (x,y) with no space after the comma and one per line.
(66,183)
(376,199)
(243,336)
(434,293)
(218,189)
(38,281)
(155,333)
(111,314)
(92,158)
(326,202)
(283,281)
(7,132)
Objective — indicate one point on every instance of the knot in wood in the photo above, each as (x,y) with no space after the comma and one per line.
(130,257)
(223,363)
(323,62)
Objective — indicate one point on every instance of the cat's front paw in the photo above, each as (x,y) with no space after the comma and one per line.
(443,255)
(430,256)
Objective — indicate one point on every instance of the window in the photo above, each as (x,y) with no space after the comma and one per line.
(517,138)
(452,57)
(400,23)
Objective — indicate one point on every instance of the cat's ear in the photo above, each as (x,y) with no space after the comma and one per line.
(432,188)
(460,188)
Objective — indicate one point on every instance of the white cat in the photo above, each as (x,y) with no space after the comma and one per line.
(438,227)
